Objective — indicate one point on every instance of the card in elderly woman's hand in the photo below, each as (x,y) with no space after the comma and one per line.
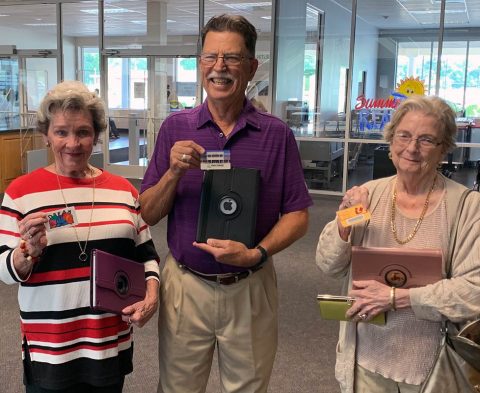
(353,215)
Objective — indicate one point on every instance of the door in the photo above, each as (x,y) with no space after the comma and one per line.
(142,92)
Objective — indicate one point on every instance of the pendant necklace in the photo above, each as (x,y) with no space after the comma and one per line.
(83,255)
(419,221)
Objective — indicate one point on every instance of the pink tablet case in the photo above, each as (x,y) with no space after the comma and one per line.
(398,267)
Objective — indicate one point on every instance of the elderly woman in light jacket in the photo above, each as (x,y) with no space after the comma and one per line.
(413,209)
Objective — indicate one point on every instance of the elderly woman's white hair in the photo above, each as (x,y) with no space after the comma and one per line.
(71,96)
(430,106)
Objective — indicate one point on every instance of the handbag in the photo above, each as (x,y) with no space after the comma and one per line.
(457,366)
(466,343)
(451,373)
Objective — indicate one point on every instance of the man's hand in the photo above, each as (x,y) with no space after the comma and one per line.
(230,252)
(185,155)
(157,201)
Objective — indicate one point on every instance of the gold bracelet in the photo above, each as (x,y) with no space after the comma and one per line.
(392,299)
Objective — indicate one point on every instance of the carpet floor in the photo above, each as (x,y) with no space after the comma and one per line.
(306,351)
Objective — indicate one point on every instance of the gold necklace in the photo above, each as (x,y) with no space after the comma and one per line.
(420,219)
(83,256)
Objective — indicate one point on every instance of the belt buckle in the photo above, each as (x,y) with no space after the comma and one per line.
(226,278)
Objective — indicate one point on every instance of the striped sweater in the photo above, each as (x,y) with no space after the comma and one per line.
(64,341)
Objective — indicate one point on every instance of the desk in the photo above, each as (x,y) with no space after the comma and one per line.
(321,161)
(13,147)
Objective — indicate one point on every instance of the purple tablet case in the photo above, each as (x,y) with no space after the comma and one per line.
(116,282)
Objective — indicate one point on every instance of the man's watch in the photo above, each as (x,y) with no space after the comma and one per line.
(264,254)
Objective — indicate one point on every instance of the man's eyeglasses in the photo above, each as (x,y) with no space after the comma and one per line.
(425,142)
(229,59)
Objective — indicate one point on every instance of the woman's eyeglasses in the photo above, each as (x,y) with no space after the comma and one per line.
(425,142)
(228,59)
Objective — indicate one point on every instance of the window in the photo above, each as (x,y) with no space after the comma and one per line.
(459,73)
(91,68)
(127,83)
(186,81)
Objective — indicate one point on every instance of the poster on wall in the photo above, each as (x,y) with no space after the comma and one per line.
(372,114)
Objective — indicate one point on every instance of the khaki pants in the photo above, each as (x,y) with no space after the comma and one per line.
(196,315)
(368,382)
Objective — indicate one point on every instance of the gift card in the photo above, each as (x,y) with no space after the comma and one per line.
(353,215)
(215,159)
(61,218)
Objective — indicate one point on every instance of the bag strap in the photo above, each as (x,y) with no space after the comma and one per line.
(453,235)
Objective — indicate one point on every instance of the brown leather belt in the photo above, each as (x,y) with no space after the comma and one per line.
(224,278)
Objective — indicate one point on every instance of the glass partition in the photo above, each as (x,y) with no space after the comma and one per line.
(142,24)
(312,98)
(142,91)
(338,100)
(259,14)
(78,27)
(9,92)
(27,67)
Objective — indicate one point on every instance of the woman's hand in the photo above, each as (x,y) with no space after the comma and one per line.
(33,231)
(33,240)
(140,313)
(371,299)
(354,196)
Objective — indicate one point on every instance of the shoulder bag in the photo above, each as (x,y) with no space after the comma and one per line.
(457,366)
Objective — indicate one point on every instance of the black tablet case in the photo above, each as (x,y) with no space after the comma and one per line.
(228,205)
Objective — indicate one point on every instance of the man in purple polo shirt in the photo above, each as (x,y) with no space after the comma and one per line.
(221,293)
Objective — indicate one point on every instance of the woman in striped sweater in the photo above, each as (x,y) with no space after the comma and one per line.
(66,345)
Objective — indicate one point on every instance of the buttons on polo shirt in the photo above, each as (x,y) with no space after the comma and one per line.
(220,134)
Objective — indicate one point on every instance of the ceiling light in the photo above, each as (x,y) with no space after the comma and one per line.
(427,12)
(94,11)
(142,22)
(447,1)
(40,24)
(247,6)
(266,17)
(447,22)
